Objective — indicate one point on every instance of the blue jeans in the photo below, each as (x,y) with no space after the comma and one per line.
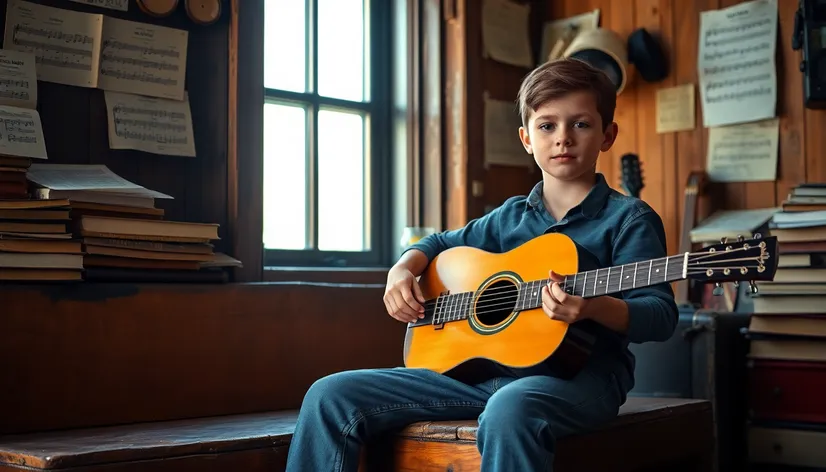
(520,419)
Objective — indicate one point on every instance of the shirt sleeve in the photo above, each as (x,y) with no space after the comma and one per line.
(652,310)
(482,233)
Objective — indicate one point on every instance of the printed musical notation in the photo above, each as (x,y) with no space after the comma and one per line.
(736,64)
(65,43)
(21,133)
(743,153)
(143,59)
(150,124)
(18,79)
(120,5)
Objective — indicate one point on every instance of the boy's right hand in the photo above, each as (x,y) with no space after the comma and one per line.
(403,297)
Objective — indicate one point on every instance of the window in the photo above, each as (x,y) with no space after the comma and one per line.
(326,149)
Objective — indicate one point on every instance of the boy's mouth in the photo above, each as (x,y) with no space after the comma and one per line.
(563,157)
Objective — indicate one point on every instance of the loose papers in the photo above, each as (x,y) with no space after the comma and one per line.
(18,79)
(97,51)
(502,144)
(120,5)
(743,153)
(736,65)
(675,108)
(149,124)
(21,133)
(143,59)
(505,32)
(66,43)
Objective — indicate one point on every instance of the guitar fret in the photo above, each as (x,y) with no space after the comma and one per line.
(596,279)
(665,275)
(584,282)
(650,265)
(622,268)
(607,280)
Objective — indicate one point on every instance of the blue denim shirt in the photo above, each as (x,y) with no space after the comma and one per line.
(610,229)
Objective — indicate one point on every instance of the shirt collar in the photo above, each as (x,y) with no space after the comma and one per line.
(590,206)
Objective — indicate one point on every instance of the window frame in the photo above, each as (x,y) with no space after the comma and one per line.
(378,146)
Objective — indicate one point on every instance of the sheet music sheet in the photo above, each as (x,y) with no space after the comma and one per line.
(94,177)
(18,79)
(143,59)
(120,5)
(743,153)
(21,133)
(736,65)
(66,43)
(150,124)
(675,108)
(502,144)
(505,32)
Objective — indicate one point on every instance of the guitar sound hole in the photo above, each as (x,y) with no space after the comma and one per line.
(496,303)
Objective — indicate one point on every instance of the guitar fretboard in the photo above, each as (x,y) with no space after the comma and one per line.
(587,284)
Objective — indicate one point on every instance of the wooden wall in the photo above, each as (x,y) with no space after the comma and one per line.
(75,129)
(668,159)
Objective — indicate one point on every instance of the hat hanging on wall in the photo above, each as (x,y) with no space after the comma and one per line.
(605,50)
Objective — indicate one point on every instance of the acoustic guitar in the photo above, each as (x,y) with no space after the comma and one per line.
(484,307)
(631,171)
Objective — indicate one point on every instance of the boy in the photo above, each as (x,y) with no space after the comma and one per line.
(567,110)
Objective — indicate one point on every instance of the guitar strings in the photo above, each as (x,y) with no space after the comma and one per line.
(489,307)
(490,295)
(658,263)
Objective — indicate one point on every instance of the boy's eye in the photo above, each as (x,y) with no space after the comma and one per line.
(546,126)
(581,124)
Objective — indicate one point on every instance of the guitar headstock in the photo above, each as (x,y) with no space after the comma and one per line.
(742,260)
(632,181)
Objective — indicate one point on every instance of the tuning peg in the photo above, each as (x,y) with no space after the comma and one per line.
(753,287)
(740,238)
(723,240)
(718,289)
(756,236)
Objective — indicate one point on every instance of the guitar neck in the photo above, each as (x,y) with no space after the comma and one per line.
(610,280)
(587,284)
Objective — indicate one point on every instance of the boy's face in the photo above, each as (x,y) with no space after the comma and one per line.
(565,136)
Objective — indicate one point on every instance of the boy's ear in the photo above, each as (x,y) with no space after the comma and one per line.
(525,137)
(609,137)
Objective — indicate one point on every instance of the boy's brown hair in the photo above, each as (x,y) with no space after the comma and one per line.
(557,78)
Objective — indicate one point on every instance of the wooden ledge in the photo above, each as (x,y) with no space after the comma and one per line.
(260,442)
(149,441)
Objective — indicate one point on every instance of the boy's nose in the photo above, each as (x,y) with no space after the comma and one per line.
(563,140)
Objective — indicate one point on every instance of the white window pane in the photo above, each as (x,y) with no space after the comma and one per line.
(285,37)
(342,32)
(341,181)
(285,177)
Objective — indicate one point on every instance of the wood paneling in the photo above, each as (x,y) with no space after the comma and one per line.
(668,158)
(75,125)
(101,354)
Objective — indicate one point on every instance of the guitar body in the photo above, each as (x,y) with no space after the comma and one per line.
(493,331)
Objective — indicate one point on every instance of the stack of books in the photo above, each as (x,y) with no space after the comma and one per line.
(36,242)
(122,234)
(13,183)
(787,336)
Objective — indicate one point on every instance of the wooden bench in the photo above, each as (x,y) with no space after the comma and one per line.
(648,433)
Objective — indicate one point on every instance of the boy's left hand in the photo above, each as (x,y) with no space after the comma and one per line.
(562,306)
